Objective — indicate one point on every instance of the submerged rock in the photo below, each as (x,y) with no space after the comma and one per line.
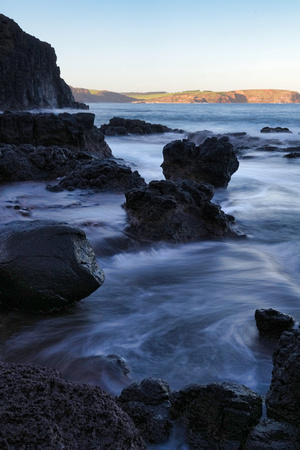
(30,77)
(178,211)
(118,126)
(272,323)
(41,410)
(213,161)
(283,397)
(218,415)
(275,130)
(45,266)
(100,175)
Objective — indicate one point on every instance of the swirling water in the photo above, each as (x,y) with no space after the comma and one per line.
(184,313)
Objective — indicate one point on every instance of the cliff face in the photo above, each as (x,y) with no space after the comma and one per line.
(29,75)
(84,95)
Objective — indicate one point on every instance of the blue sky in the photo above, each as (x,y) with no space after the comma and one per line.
(168,45)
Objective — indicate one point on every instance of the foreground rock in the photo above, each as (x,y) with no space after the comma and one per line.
(214,161)
(283,397)
(30,77)
(72,131)
(272,435)
(45,266)
(118,126)
(271,323)
(40,410)
(100,175)
(218,415)
(178,211)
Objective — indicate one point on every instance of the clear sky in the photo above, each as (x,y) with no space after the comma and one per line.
(168,45)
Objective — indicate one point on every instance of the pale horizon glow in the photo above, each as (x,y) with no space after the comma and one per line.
(168,45)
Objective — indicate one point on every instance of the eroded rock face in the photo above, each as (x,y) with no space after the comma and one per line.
(283,397)
(45,266)
(29,75)
(40,410)
(214,161)
(178,211)
(272,435)
(100,175)
(218,415)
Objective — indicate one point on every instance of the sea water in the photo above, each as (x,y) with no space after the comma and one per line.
(183,313)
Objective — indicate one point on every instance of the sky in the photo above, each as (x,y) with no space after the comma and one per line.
(168,45)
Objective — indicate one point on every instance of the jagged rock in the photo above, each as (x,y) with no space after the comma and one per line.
(41,410)
(178,211)
(147,403)
(272,323)
(275,130)
(73,131)
(214,161)
(29,75)
(283,397)
(45,266)
(218,415)
(100,175)
(272,435)
(118,126)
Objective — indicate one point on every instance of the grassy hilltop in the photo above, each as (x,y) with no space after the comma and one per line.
(241,96)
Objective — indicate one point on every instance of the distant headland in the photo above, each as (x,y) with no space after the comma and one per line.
(197,96)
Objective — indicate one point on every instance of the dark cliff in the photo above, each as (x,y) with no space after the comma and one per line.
(29,75)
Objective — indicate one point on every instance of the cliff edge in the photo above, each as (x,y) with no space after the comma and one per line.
(29,75)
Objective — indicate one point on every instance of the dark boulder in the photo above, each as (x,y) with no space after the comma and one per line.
(292,155)
(148,404)
(272,435)
(45,266)
(275,130)
(29,75)
(283,397)
(72,131)
(272,323)
(213,161)
(100,175)
(218,415)
(118,126)
(40,410)
(178,211)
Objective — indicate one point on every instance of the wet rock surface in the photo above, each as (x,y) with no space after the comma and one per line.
(41,410)
(30,77)
(272,323)
(178,211)
(45,266)
(118,126)
(272,435)
(100,175)
(214,161)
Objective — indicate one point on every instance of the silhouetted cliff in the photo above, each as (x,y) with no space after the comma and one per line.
(29,75)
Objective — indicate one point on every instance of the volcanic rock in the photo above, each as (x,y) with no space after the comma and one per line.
(214,161)
(29,75)
(40,410)
(45,266)
(178,211)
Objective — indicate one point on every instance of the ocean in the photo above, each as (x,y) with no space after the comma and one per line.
(183,313)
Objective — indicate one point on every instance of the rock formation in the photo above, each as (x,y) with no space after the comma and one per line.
(271,323)
(45,266)
(118,126)
(212,162)
(40,410)
(29,75)
(178,211)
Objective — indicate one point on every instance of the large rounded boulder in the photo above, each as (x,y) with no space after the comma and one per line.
(45,266)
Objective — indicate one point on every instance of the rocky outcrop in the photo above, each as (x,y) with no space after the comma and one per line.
(283,397)
(178,211)
(72,131)
(212,162)
(29,75)
(218,415)
(45,266)
(41,410)
(100,175)
(271,323)
(275,130)
(118,126)
(272,435)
